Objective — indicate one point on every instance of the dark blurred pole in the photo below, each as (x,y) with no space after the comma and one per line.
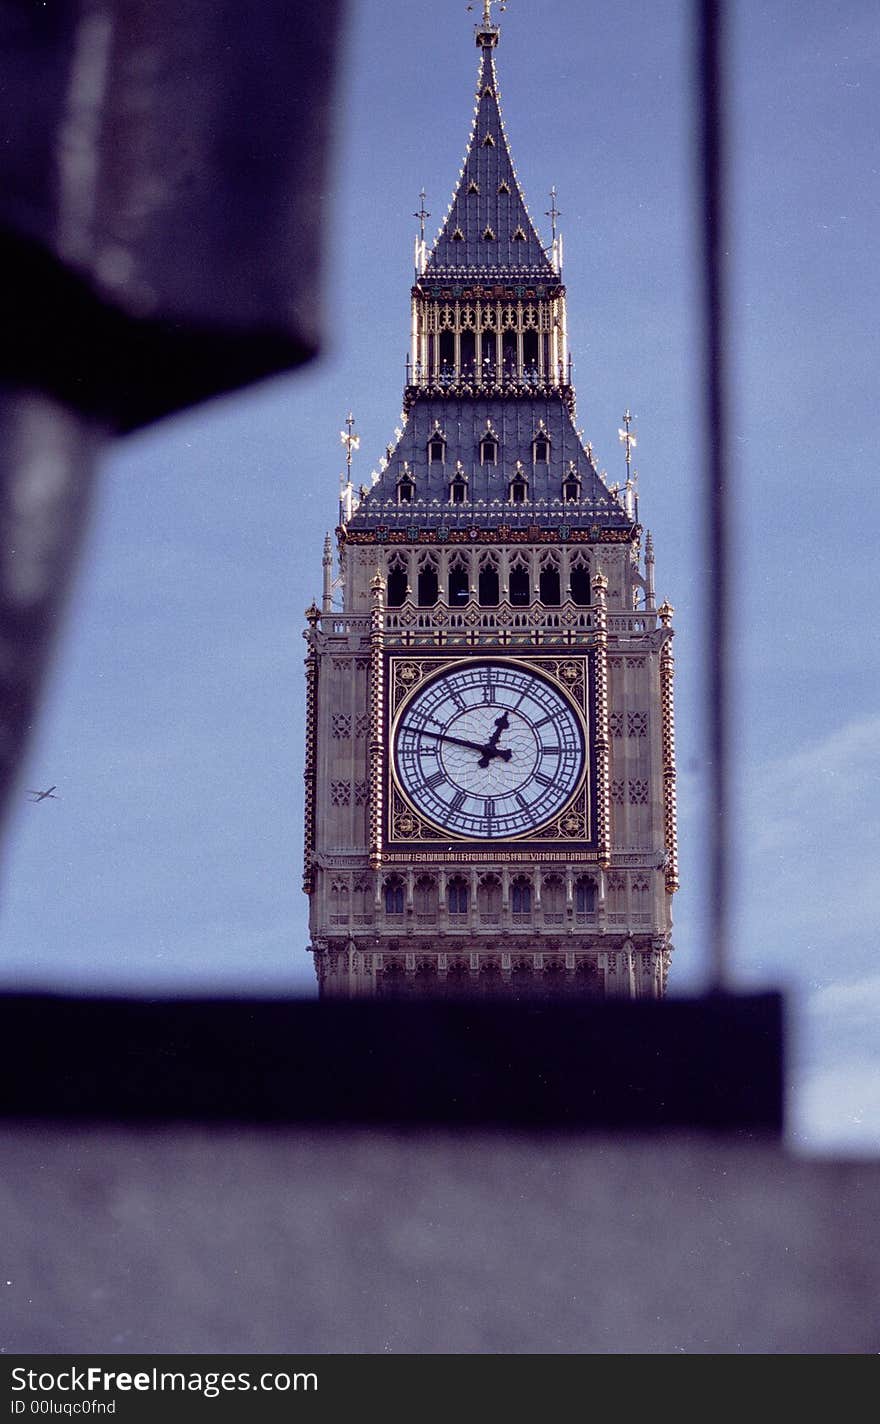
(710,88)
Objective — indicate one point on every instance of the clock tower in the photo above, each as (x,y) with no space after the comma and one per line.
(490,763)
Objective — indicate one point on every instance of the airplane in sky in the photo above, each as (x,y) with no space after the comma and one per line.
(42,795)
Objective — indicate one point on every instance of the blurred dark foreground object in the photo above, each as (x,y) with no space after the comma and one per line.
(710,1064)
(162,177)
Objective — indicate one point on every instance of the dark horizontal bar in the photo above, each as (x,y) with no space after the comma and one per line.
(709,1064)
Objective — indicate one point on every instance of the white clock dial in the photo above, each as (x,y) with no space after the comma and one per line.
(489,750)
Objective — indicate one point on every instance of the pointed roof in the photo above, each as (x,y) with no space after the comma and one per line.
(462,424)
(488,223)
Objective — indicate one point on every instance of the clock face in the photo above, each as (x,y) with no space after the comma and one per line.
(489,750)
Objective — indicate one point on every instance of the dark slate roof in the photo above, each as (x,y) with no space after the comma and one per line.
(515,423)
(488,165)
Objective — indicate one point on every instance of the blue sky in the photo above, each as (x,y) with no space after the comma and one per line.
(173,718)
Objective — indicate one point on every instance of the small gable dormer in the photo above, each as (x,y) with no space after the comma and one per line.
(571,485)
(458,485)
(489,445)
(518,490)
(406,486)
(541,445)
(473,186)
(437,446)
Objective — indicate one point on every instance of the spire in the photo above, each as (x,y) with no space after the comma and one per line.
(488,224)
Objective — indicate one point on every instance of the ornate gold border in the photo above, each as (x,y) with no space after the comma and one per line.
(310,770)
(569,673)
(667,725)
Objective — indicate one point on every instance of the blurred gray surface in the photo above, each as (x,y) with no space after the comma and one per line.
(288,1241)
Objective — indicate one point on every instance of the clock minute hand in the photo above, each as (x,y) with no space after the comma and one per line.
(460,742)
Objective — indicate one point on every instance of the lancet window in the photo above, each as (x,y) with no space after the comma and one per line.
(585,895)
(394,895)
(579,580)
(458,581)
(398,579)
(521,896)
(427,582)
(548,581)
(520,582)
(487,581)
(457,895)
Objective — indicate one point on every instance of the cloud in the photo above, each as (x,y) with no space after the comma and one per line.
(835,1108)
(810,875)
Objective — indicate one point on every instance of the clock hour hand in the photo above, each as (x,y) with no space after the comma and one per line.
(491,747)
(484,751)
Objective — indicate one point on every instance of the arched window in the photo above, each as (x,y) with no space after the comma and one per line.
(520,584)
(468,348)
(339,902)
(553,897)
(398,580)
(427,584)
(519,489)
(447,355)
(548,584)
(406,489)
(360,902)
(487,344)
(394,895)
(457,895)
(487,583)
(489,899)
(425,895)
(530,354)
(521,896)
(585,895)
(459,581)
(580,581)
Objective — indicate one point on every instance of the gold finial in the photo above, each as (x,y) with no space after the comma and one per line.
(349,440)
(665,612)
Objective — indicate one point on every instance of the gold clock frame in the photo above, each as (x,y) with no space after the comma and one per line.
(569,834)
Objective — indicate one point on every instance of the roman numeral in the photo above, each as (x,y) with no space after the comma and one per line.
(436,779)
(458,801)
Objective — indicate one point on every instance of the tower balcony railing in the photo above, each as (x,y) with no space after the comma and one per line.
(430,520)
(342,628)
(486,383)
(472,615)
